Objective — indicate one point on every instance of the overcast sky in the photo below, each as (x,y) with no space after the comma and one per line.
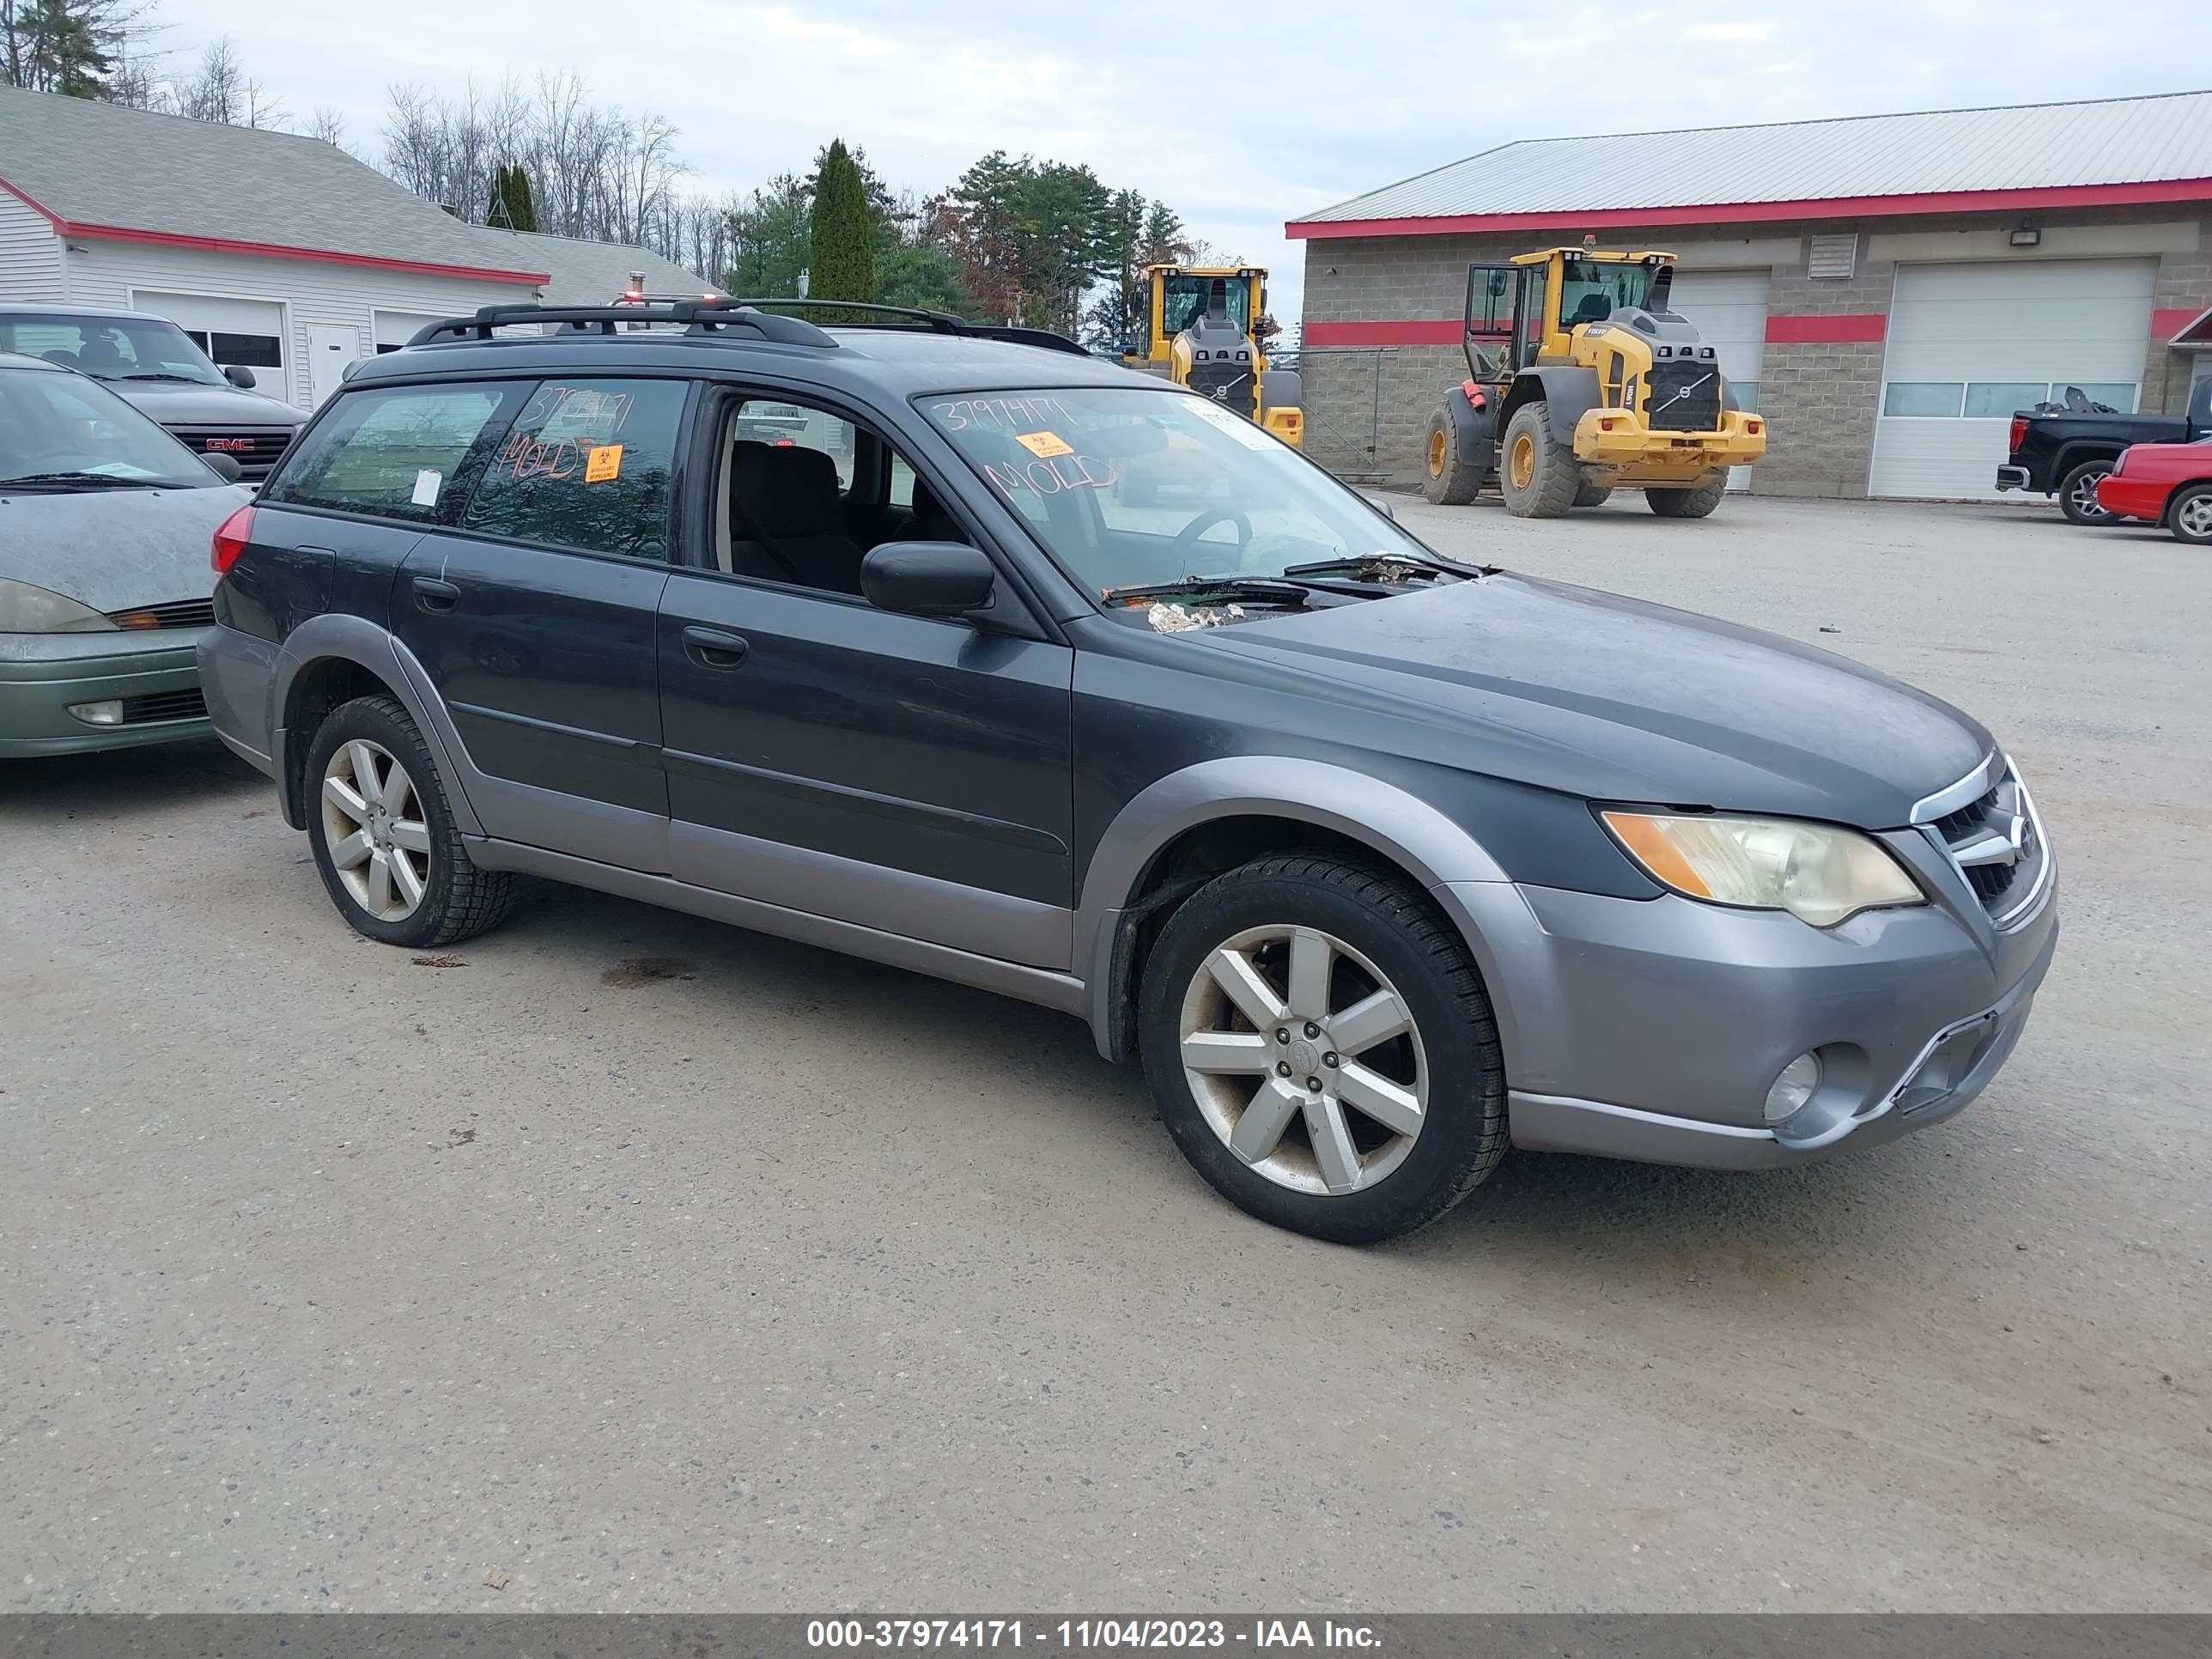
(1240,117)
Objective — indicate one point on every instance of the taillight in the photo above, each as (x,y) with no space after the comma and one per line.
(2019,433)
(230,539)
(2121,464)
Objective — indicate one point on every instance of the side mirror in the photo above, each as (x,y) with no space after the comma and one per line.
(928,579)
(239,376)
(1380,505)
(225,467)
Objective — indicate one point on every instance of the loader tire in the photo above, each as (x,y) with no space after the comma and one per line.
(1538,476)
(1592,493)
(1697,501)
(1451,461)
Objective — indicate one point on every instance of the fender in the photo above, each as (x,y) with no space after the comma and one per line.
(1567,394)
(357,640)
(1446,859)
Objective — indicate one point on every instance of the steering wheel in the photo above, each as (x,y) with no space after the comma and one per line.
(1186,544)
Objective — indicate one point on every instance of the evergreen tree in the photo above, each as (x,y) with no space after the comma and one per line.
(512,206)
(841,256)
(58,45)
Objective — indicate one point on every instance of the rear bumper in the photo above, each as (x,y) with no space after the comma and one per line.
(2012,477)
(236,670)
(1618,438)
(2132,498)
(43,675)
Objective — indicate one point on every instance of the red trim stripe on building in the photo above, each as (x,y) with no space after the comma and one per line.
(2166,323)
(1735,213)
(270,250)
(1855,328)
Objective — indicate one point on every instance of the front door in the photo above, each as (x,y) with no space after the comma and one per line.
(902,773)
(533,612)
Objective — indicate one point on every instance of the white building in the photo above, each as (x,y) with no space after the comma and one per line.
(278,253)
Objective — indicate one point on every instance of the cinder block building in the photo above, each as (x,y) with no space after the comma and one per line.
(1888,289)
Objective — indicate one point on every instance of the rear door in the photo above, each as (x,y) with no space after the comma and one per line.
(532,612)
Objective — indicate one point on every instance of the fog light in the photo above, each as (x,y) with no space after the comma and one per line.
(99,714)
(1793,1088)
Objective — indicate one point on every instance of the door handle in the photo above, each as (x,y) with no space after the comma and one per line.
(712,648)
(435,595)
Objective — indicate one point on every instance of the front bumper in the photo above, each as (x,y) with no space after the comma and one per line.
(1651,1030)
(2132,498)
(42,675)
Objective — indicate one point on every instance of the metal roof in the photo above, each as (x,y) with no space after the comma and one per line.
(96,168)
(2162,140)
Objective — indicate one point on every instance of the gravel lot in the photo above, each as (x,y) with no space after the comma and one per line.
(659,1265)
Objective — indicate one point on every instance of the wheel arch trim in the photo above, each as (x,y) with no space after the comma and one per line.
(334,637)
(1442,855)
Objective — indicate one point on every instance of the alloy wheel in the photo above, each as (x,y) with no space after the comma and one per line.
(1304,1059)
(2084,496)
(2194,516)
(373,823)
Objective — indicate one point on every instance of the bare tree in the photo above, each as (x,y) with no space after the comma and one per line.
(220,90)
(328,125)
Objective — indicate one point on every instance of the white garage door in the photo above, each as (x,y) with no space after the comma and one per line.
(241,333)
(1969,344)
(394,329)
(1729,308)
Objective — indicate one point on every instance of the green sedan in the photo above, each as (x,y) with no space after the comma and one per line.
(105,524)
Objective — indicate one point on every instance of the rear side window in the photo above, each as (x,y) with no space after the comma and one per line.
(586,466)
(392,452)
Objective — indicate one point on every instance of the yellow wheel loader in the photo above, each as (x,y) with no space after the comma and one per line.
(1581,380)
(1202,331)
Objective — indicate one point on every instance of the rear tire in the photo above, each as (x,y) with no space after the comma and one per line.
(1538,476)
(1697,501)
(1451,468)
(399,870)
(2077,494)
(1392,987)
(2189,518)
(1593,494)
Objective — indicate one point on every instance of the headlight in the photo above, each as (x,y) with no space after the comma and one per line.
(27,609)
(1817,873)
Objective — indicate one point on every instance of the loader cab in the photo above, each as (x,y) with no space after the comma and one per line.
(1526,311)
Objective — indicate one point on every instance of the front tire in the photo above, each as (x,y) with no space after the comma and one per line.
(1697,501)
(1592,493)
(2077,494)
(1320,1047)
(384,835)
(1538,476)
(2190,516)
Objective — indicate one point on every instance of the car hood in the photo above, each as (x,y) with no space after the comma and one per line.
(1613,699)
(173,403)
(114,549)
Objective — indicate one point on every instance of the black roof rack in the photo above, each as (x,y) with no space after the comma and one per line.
(702,317)
(762,318)
(937,322)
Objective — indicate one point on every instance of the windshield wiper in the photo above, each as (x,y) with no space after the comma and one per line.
(163,374)
(1267,589)
(107,480)
(1352,563)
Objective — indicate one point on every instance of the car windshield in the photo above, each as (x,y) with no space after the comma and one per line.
(110,347)
(62,431)
(1131,486)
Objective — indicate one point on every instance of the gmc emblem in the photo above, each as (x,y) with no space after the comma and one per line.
(237,446)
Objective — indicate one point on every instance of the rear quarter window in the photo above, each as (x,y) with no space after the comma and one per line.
(395,451)
(587,464)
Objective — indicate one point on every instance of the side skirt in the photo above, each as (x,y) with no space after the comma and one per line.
(1063,992)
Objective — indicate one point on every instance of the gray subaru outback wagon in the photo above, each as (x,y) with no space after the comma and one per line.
(1010,666)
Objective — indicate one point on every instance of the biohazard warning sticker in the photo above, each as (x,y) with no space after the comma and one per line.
(603,463)
(1044,445)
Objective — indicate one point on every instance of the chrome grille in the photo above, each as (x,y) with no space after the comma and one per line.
(257,451)
(177,613)
(1996,842)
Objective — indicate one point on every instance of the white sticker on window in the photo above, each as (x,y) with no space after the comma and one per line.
(1236,427)
(427,485)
